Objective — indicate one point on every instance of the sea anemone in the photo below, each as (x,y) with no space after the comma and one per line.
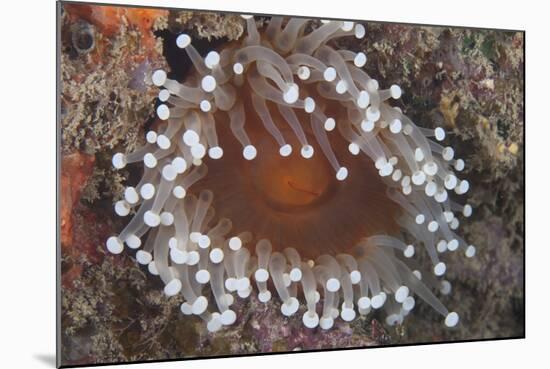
(280,166)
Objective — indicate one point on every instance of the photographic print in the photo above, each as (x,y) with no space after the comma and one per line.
(237,184)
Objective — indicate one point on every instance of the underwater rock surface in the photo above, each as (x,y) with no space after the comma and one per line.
(469,81)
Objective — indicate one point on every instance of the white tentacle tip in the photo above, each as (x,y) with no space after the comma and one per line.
(310,319)
(363,99)
(228,317)
(191,138)
(326,322)
(264,296)
(360,31)
(373,114)
(295,275)
(243,294)
(467,211)
(149,160)
(401,294)
(408,303)
(183,40)
(204,241)
(341,87)
(173,287)
(131,195)
(377,301)
(178,256)
(394,319)
(333,284)
(151,219)
(198,151)
(163,142)
(459,165)
(433,226)
(342,173)
(329,74)
(439,134)
(353,148)
(395,92)
(231,284)
(303,72)
(355,276)
(199,305)
(364,303)
(420,219)
(347,314)
(409,251)
(202,276)
(418,178)
(261,275)
(445,288)
(360,60)
(289,307)
(133,241)
(216,255)
(122,208)
(159,77)
(179,164)
(215,152)
(212,59)
(235,243)
(395,126)
(347,26)
(441,246)
(243,284)
(330,124)
(163,112)
(291,95)
(208,83)
(307,151)
(285,150)
(186,308)
(215,323)
(179,192)
(451,319)
(152,267)
(440,268)
(249,152)
(164,95)
(143,257)
(169,173)
(452,245)
(119,160)
(309,105)
(238,68)
(151,137)
(448,153)
(205,106)
(114,245)
(367,125)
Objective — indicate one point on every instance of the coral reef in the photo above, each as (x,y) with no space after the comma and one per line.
(470,81)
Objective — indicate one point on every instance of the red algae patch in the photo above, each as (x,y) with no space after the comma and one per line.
(75,170)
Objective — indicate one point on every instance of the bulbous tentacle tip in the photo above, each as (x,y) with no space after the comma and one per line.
(451,320)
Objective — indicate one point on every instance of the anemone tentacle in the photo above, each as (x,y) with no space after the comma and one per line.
(299,84)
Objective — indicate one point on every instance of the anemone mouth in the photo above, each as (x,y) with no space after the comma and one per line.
(283,168)
(298,202)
